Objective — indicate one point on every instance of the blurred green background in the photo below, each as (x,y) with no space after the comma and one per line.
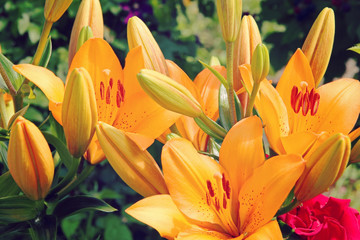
(187,31)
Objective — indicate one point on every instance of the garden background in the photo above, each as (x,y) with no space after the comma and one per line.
(187,31)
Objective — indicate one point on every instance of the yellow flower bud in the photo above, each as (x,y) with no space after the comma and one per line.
(54,9)
(355,153)
(89,14)
(249,37)
(79,113)
(138,34)
(229,13)
(319,43)
(30,160)
(260,63)
(168,93)
(136,167)
(323,167)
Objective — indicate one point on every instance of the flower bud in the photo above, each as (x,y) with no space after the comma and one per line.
(85,34)
(136,167)
(168,93)
(319,43)
(355,153)
(249,37)
(79,113)
(138,34)
(29,159)
(260,63)
(323,167)
(229,13)
(54,9)
(89,14)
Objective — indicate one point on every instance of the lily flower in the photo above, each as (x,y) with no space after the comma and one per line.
(233,199)
(297,115)
(120,100)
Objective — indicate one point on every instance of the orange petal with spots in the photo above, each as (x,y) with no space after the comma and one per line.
(242,151)
(160,212)
(50,85)
(208,86)
(339,107)
(141,115)
(270,231)
(98,58)
(263,193)
(198,185)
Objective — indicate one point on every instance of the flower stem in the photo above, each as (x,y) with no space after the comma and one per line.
(42,43)
(288,208)
(251,103)
(229,73)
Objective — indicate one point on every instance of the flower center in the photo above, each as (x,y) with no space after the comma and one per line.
(305,100)
(120,92)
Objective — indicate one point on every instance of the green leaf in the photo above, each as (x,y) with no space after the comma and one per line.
(216,73)
(224,110)
(115,228)
(3,153)
(21,112)
(17,209)
(34,33)
(355,48)
(45,57)
(8,187)
(15,78)
(60,148)
(70,224)
(73,205)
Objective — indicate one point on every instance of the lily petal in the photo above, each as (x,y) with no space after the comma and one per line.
(50,85)
(299,143)
(242,151)
(196,184)
(339,107)
(160,212)
(201,234)
(264,192)
(270,231)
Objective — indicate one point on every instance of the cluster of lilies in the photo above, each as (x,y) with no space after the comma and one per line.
(237,150)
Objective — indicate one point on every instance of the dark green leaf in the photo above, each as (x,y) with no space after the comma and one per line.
(44,228)
(8,187)
(61,148)
(3,153)
(17,209)
(115,228)
(73,205)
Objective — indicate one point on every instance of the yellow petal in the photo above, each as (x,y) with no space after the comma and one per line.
(339,107)
(94,153)
(134,62)
(136,167)
(299,143)
(161,213)
(50,85)
(202,234)
(263,193)
(270,231)
(242,151)
(198,185)
(98,58)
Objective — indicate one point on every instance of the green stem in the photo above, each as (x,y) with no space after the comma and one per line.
(216,128)
(251,103)
(230,76)
(42,43)
(288,208)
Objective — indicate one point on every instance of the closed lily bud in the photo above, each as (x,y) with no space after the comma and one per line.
(319,43)
(355,153)
(324,167)
(136,167)
(138,34)
(168,93)
(89,14)
(260,63)
(229,13)
(54,9)
(249,37)
(79,113)
(85,34)
(29,159)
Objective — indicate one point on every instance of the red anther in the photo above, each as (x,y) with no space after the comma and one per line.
(315,104)
(294,94)
(208,200)
(311,95)
(298,102)
(223,182)
(217,204)
(210,188)
(111,82)
(118,99)
(305,103)
(108,95)
(102,90)
(224,201)
(228,189)
(121,89)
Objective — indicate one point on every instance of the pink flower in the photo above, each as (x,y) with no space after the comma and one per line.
(323,218)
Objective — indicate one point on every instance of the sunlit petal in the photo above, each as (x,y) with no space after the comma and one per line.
(270,231)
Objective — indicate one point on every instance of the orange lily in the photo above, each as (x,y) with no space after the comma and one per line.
(297,115)
(120,100)
(233,199)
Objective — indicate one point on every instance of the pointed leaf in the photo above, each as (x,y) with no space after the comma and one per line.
(17,209)
(73,205)
(61,148)
(216,73)
(21,112)
(355,48)
(8,186)
(224,108)
(15,78)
